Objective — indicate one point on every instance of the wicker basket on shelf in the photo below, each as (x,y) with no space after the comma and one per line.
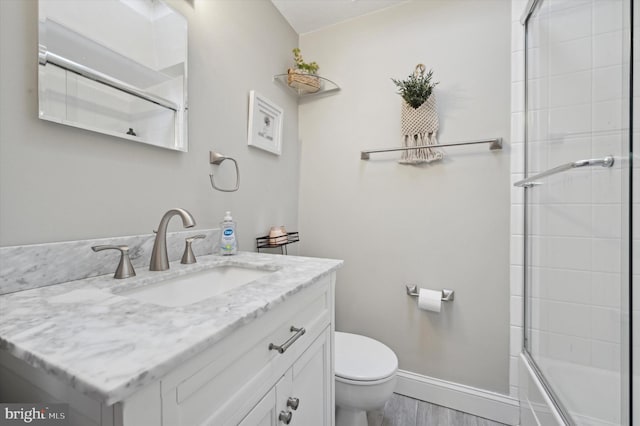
(302,81)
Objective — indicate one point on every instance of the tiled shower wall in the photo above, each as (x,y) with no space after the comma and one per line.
(517,199)
(576,102)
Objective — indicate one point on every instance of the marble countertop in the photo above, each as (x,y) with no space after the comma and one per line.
(108,346)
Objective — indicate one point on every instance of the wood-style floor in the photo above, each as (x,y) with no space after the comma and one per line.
(404,411)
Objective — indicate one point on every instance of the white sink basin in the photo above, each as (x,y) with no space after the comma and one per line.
(192,288)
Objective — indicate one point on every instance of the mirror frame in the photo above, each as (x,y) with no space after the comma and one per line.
(71,72)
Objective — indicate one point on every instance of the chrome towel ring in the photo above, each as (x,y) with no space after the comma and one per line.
(217,159)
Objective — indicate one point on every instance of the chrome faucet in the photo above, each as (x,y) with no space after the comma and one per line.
(159,257)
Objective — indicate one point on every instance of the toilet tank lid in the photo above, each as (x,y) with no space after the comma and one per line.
(362,358)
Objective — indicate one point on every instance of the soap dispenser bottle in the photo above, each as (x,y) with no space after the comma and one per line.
(228,242)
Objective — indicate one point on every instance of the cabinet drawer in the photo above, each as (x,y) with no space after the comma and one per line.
(222,384)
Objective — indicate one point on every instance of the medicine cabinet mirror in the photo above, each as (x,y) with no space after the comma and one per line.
(117,67)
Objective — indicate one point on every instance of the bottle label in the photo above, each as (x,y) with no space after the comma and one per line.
(227,240)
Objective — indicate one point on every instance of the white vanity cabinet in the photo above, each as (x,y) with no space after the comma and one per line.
(302,396)
(224,384)
(237,380)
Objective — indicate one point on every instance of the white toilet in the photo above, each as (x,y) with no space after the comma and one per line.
(365,377)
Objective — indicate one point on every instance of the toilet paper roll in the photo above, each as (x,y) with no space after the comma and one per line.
(430,300)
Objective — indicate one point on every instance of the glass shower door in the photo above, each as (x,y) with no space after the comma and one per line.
(577,211)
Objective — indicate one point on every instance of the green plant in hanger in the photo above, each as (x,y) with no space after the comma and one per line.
(311,68)
(417,88)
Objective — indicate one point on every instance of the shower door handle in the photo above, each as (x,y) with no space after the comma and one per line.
(531,181)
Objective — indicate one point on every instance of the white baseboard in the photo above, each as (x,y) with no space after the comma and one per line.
(479,402)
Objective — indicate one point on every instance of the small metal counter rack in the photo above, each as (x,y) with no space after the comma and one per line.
(267,242)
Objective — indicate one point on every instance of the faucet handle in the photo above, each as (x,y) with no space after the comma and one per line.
(188,256)
(125,268)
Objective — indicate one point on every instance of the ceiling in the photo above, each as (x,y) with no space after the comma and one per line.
(310,15)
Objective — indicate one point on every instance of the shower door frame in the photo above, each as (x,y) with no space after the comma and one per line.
(626,274)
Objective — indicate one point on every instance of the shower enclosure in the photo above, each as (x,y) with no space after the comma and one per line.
(579,209)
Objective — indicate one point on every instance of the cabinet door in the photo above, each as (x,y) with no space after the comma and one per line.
(311,384)
(263,414)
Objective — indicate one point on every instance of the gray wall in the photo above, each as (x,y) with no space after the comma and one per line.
(444,225)
(59,183)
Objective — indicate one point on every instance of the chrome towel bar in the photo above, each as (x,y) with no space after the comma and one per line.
(531,181)
(496,143)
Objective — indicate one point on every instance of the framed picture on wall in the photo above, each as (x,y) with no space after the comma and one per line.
(265,123)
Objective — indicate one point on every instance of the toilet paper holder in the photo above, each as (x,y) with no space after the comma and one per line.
(447,295)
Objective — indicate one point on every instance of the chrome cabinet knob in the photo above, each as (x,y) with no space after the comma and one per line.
(188,257)
(125,268)
(293,403)
(285,417)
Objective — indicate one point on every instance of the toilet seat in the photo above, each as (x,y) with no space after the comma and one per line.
(364,382)
(362,360)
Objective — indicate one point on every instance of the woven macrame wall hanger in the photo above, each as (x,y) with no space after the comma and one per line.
(420,128)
